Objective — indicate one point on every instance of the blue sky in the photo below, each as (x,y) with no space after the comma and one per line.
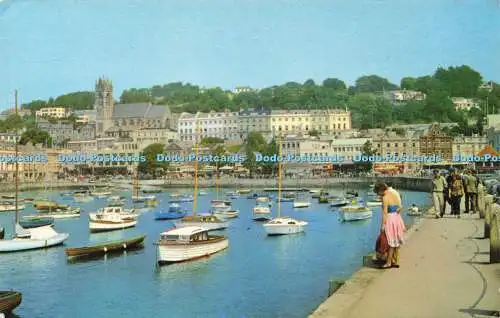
(52,47)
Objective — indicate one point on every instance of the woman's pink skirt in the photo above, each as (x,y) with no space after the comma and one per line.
(394,229)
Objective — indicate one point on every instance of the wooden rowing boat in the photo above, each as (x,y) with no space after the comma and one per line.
(9,300)
(106,247)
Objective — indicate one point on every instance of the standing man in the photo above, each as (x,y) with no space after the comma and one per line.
(446,191)
(471,187)
(439,185)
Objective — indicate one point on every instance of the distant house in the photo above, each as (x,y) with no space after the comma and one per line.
(406,95)
(54,112)
(462,103)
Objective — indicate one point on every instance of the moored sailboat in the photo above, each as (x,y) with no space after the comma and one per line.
(28,239)
(283,225)
(211,222)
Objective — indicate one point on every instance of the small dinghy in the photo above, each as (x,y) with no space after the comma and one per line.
(105,247)
(32,223)
(9,300)
(414,211)
(175,211)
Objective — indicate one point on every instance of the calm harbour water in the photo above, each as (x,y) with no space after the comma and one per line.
(258,276)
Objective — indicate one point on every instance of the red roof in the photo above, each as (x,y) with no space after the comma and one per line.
(488,150)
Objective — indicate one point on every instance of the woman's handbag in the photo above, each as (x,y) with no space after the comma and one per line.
(382,246)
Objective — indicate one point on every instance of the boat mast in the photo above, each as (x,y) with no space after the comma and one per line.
(136,183)
(195,197)
(279,176)
(17,167)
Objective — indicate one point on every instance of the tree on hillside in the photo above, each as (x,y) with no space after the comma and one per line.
(428,84)
(335,84)
(134,95)
(461,81)
(408,83)
(373,84)
(76,100)
(35,105)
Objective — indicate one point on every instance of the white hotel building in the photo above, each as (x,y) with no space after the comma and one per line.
(223,125)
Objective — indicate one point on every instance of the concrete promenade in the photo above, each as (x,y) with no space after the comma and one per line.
(445,272)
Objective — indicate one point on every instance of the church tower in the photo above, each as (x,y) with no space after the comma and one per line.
(104,105)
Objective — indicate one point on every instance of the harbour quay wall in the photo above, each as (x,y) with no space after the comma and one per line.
(44,185)
(399,182)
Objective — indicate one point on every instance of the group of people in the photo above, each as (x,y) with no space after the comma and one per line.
(452,189)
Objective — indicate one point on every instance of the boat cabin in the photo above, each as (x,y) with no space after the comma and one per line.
(186,235)
(111,210)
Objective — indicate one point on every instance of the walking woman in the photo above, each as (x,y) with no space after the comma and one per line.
(392,223)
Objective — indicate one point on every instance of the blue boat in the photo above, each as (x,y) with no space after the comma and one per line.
(175,211)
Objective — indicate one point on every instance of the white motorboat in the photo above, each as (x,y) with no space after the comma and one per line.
(301,204)
(228,214)
(315,191)
(261,213)
(35,238)
(110,222)
(284,225)
(188,243)
(263,199)
(113,210)
(354,213)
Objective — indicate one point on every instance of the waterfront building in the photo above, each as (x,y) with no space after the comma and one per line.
(469,145)
(391,143)
(254,120)
(462,103)
(139,115)
(222,125)
(34,170)
(53,112)
(436,142)
(128,138)
(324,121)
